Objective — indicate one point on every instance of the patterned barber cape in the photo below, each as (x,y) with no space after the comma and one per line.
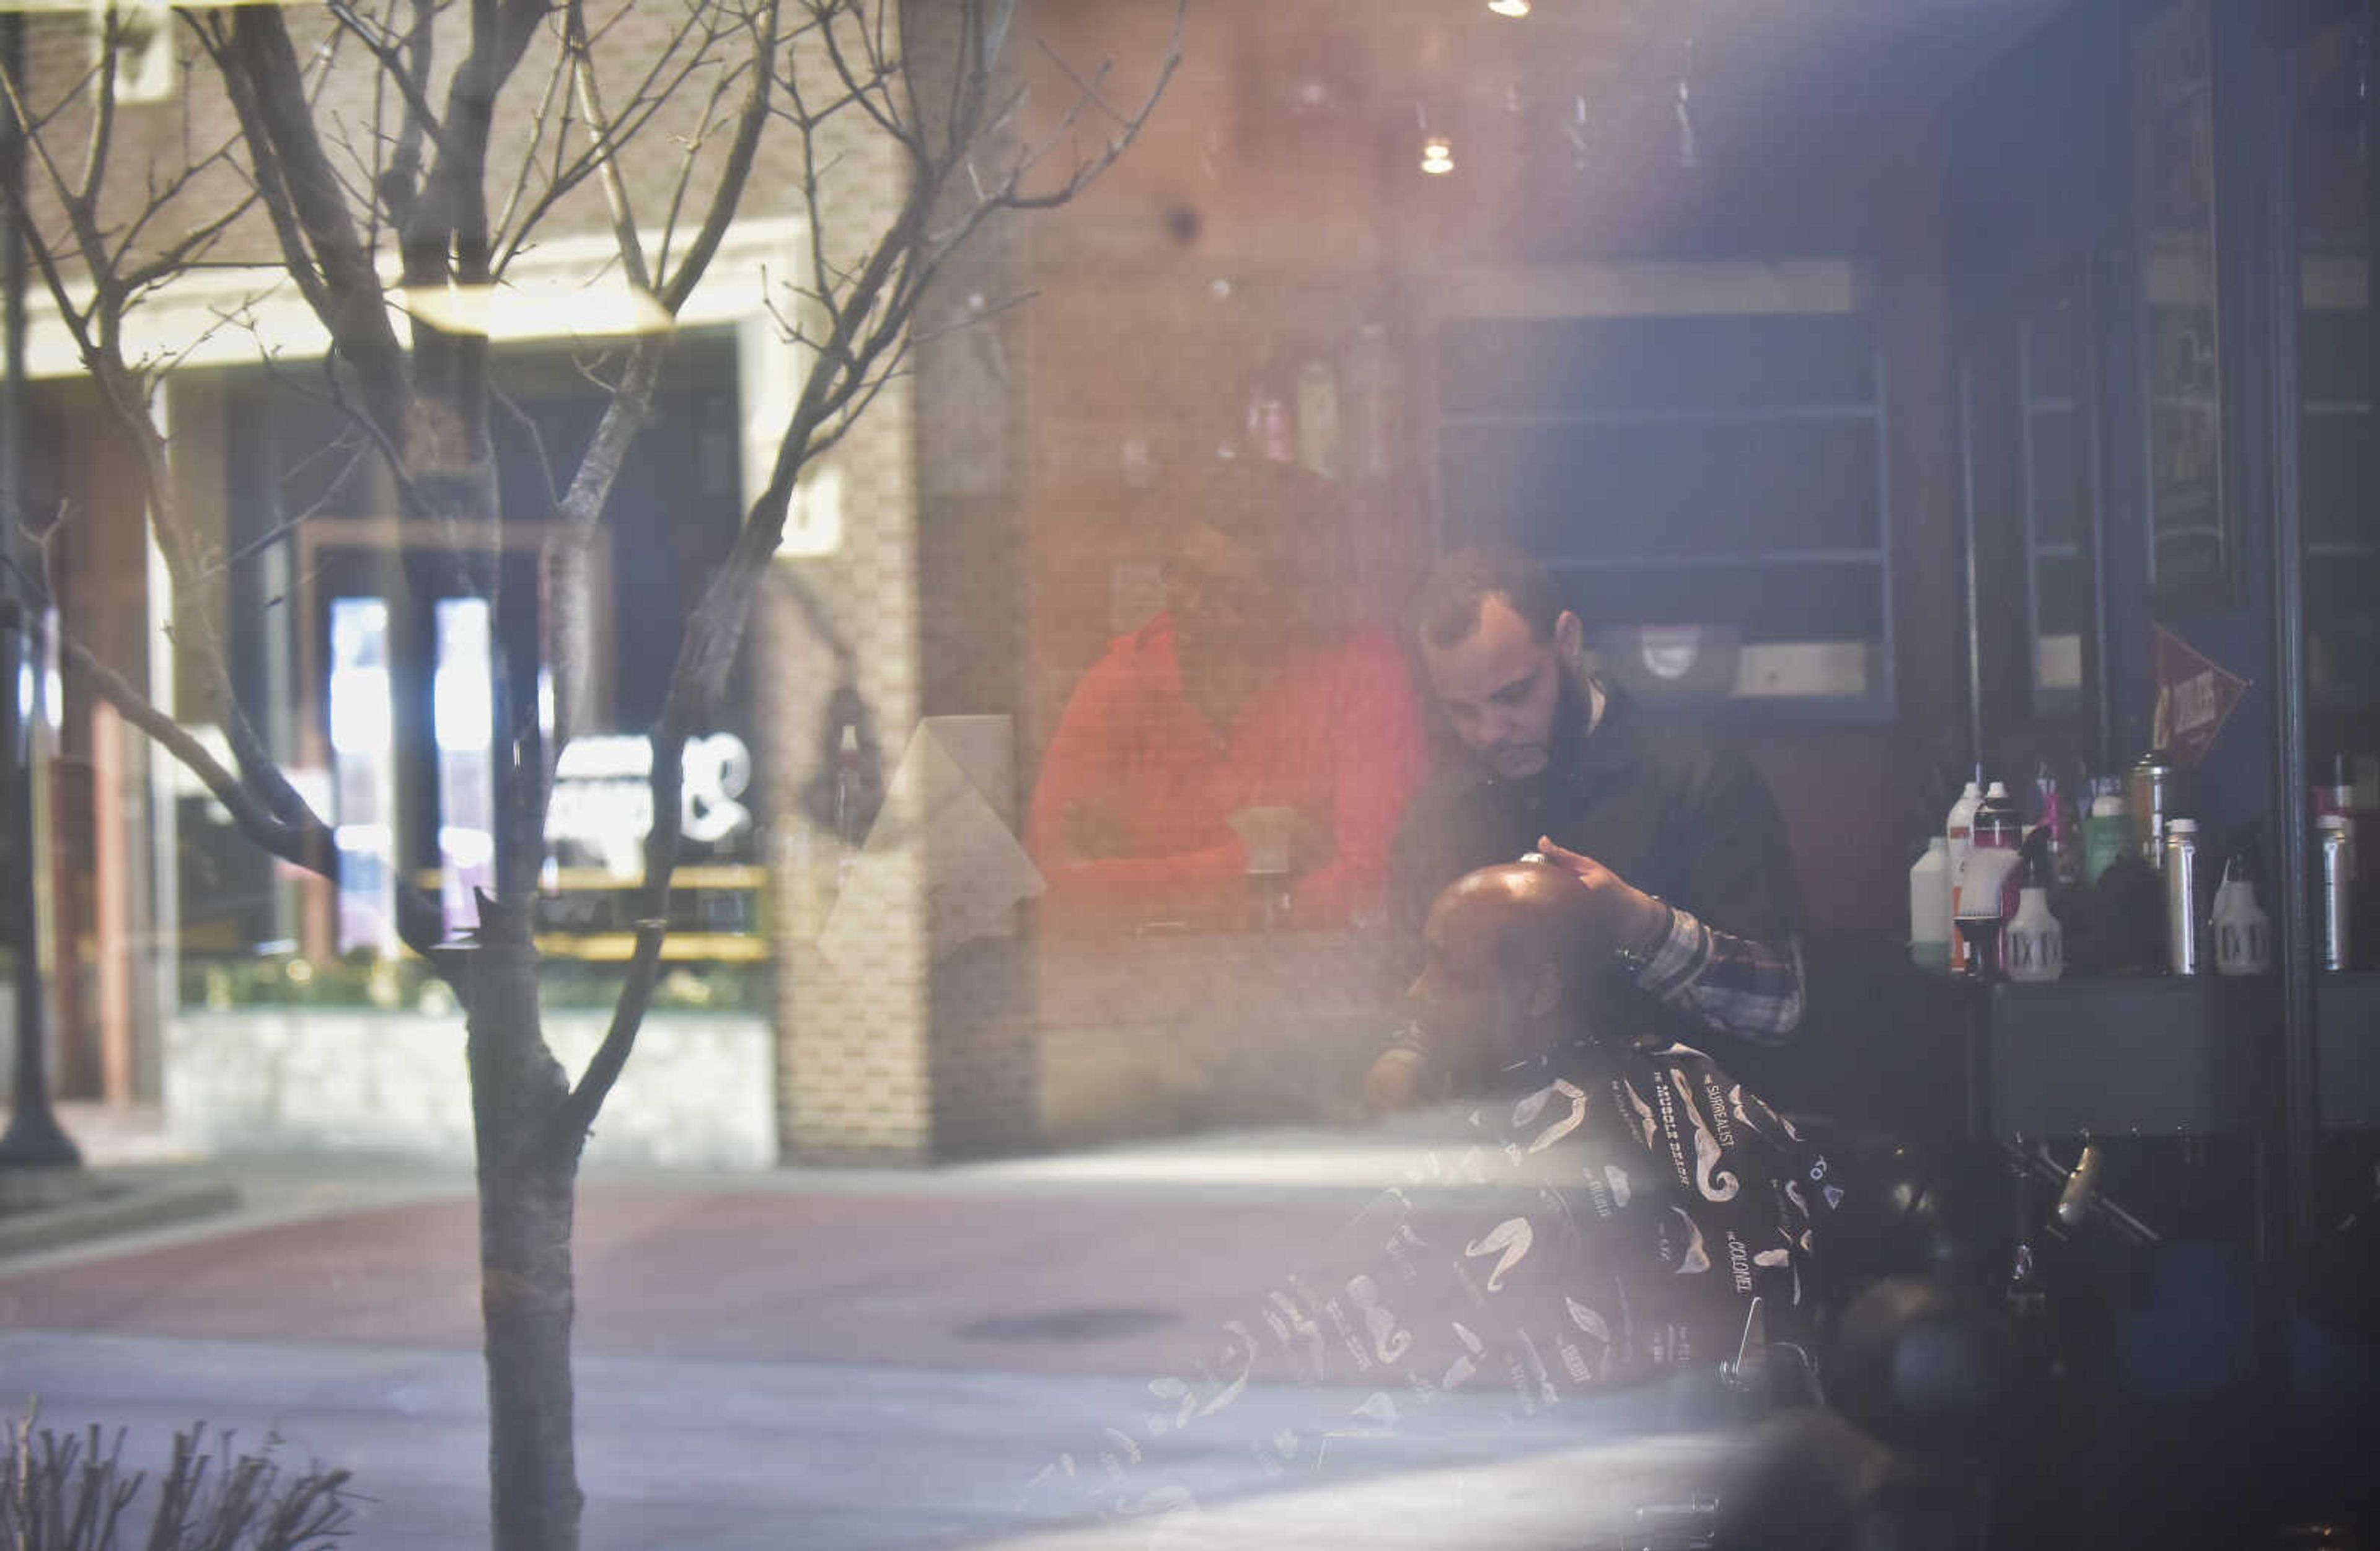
(1606,1222)
(1637,1201)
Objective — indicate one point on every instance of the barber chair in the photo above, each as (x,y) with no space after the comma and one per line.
(1914,1375)
(1912,1211)
(1898,1431)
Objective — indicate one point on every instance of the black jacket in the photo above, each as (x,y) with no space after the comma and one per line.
(1662,805)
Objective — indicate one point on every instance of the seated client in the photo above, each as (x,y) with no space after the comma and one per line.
(1668,1199)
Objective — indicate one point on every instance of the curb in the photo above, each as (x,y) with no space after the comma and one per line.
(103,1213)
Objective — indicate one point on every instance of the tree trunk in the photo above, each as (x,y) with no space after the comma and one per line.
(527,1193)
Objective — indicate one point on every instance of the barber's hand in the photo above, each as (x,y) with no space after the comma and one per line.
(1632,917)
(1394,1082)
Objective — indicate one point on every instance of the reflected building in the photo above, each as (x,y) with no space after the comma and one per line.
(1874,398)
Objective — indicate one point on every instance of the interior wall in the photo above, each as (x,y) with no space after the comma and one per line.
(1243,231)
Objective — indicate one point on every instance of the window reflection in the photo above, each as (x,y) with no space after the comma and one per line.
(1047,800)
(363,775)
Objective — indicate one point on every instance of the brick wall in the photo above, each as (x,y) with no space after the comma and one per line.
(853,1022)
(853,1029)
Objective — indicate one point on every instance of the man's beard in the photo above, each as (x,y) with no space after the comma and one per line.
(1573,713)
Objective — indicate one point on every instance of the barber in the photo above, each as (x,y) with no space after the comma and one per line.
(1678,840)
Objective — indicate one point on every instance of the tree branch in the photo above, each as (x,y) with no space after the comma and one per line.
(266,179)
(354,309)
(729,190)
(283,827)
(420,113)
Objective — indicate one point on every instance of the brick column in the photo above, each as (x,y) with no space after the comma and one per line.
(887,1055)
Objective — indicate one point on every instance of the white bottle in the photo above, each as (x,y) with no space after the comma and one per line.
(1982,898)
(1929,906)
(2033,945)
(2242,932)
(1959,833)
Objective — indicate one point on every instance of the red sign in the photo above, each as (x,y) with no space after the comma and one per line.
(2194,697)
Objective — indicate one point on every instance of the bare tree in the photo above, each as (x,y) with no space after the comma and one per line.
(428,143)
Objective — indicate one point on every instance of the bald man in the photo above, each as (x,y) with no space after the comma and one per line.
(1681,1197)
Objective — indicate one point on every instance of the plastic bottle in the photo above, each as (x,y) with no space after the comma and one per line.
(2242,932)
(2033,945)
(1998,826)
(1929,906)
(1985,887)
(1995,822)
(2057,816)
(2107,833)
(1958,836)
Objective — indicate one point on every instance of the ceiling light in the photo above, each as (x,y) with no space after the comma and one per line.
(1509,7)
(1437,156)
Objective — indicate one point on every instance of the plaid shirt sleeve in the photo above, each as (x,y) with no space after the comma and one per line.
(1748,989)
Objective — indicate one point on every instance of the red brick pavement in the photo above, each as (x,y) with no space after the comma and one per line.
(810,1278)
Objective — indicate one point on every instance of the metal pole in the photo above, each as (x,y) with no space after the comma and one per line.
(33,1138)
(2296,1190)
(1971,599)
(2096,291)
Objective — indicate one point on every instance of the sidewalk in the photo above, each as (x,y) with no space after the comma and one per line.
(129,1149)
(136,1190)
(130,1184)
(758,1355)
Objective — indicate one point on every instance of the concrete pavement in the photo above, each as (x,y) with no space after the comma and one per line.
(833,1359)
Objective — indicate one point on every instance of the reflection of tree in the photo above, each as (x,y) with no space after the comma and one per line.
(394,158)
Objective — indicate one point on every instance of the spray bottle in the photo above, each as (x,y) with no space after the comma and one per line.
(1958,836)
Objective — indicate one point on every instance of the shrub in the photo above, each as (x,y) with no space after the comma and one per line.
(70,1492)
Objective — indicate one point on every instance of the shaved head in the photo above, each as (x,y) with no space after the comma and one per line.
(1514,958)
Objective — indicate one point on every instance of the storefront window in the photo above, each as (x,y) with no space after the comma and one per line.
(1286,685)
(367,651)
